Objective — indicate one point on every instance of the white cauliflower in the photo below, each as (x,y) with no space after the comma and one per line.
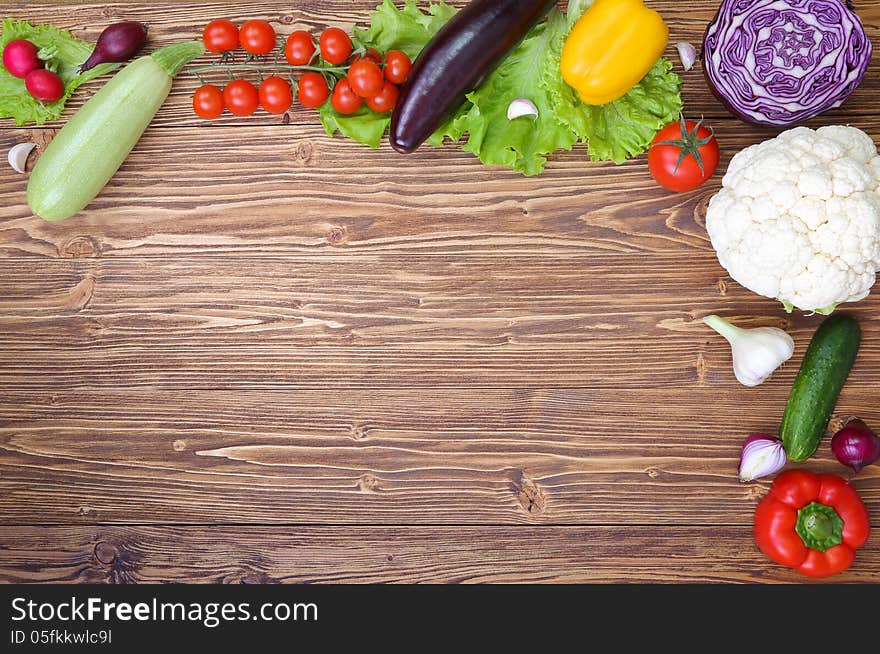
(798,217)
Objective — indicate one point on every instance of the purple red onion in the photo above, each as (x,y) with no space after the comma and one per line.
(762,455)
(117,44)
(855,445)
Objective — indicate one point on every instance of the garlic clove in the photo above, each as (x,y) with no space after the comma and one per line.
(521,107)
(688,55)
(18,155)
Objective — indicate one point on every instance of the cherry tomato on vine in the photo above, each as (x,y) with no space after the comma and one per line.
(683,156)
(335,46)
(257,37)
(208,102)
(300,48)
(385,99)
(275,95)
(220,36)
(344,100)
(365,78)
(397,66)
(241,97)
(313,90)
(371,55)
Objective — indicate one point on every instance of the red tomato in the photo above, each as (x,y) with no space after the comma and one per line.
(220,36)
(683,156)
(397,66)
(208,102)
(344,100)
(44,85)
(300,48)
(241,97)
(275,95)
(257,37)
(313,90)
(365,78)
(384,100)
(371,54)
(335,46)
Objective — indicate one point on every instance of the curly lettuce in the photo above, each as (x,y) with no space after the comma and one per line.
(614,132)
(63,54)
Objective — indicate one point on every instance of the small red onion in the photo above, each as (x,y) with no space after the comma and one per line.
(117,44)
(855,445)
(762,455)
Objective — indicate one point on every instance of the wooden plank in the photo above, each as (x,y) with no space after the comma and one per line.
(259,193)
(256,554)
(179,21)
(391,321)
(380,456)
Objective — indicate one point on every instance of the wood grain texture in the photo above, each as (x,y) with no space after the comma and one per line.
(383,456)
(121,555)
(288,357)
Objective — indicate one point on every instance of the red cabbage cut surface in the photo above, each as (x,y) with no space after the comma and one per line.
(781,62)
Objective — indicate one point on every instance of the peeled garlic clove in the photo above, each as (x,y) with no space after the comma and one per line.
(688,55)
(521,107)
(18,155)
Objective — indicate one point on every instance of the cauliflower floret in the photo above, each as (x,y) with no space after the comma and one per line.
(798,217)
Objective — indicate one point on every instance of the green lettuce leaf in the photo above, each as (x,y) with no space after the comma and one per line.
(530,72)
(624,129)
(63,53)
(408,29)
(364,126)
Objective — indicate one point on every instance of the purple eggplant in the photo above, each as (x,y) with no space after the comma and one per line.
(117,44)
(456,61)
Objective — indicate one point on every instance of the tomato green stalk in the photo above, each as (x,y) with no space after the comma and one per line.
(95,142)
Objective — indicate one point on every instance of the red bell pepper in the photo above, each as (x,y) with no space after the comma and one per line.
(812,523)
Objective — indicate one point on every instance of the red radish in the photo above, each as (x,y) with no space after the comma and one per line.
(20,58)
(116,44)
(44,85)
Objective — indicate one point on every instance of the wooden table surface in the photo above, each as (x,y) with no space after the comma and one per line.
(266,355)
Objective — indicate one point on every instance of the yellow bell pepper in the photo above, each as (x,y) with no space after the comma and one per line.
(611,48)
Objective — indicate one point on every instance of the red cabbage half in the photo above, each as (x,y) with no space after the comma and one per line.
(781,62)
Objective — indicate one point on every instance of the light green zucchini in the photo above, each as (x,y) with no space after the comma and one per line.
(91,147)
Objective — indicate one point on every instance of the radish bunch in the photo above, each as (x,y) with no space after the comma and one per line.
(21,59)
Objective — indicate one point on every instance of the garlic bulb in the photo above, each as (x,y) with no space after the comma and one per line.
(756,352)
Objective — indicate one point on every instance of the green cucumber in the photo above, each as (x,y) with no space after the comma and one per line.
(825,367)
(91,147)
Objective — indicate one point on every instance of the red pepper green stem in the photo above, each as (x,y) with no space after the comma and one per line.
(819,526)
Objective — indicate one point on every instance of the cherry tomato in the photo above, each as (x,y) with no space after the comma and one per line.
(300,48)
(371,54)
(397,66)
(385,99)
(335,46)
(275,95)
(257,37)
(683,156)
(365,78)
(44,85)
(313,90)
(220,36)
(344,100)
(241,97)
(208,102)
